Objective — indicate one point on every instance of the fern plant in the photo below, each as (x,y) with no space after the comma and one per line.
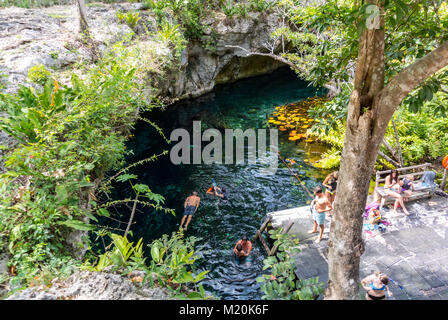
(123,255)
(131,18)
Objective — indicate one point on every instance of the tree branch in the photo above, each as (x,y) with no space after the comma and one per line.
(409,78)
(389,159)
(397,139)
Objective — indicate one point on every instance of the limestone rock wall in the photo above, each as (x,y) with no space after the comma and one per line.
(203,68)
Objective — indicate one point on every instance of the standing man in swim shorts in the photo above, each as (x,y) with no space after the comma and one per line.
(191,205)
(318,207)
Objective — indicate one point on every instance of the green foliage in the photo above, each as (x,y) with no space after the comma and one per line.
(172,263)
(331,114)
(423,137)
(48,3)
(39,74)
(173,258)
(283,283)
(187,13)
(229,9)
(330,159)
(262,5)
(54,54)
(122,256)
(71,135)
(131,18)
(32,3)
(172,34)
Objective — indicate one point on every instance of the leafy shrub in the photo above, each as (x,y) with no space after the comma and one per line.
(39,74)
(172,263)
(283,283)
(186,13)
(131,18)
(123,255)
(262,5)
(172,34)
(71,136)
(173,258)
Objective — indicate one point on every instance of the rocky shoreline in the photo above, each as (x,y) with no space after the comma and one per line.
(88,285)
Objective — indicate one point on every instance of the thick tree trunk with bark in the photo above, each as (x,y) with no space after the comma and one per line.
(371,107)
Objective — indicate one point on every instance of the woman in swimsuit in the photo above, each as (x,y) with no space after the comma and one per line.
(330,183)
(375,284)
(318,207)
(393,189)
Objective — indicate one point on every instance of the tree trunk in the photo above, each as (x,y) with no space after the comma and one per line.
(358,158)
(370,109)
(84,27)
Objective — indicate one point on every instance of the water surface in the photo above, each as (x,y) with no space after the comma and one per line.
(220,224)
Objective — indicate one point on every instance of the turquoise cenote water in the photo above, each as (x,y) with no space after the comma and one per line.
(241,105)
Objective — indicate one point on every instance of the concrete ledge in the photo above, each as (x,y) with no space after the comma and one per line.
(413,250)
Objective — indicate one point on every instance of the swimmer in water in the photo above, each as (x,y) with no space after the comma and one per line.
(246,248)
(191,206)
(218,192)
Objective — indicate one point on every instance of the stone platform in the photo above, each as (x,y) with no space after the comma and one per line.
(413,250)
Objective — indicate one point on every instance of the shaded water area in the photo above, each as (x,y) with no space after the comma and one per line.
(241,105)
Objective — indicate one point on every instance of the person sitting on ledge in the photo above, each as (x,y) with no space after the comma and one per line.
(393,189)
(407,187)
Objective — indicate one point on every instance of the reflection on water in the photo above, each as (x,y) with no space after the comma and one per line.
(218,223)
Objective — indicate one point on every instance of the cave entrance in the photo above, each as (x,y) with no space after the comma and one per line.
(244,67)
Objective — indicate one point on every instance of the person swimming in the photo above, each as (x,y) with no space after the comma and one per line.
(218,192)
(191,204)
(223,194)
(243,247)
(239,249)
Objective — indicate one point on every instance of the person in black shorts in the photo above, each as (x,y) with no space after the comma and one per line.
(191,205)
